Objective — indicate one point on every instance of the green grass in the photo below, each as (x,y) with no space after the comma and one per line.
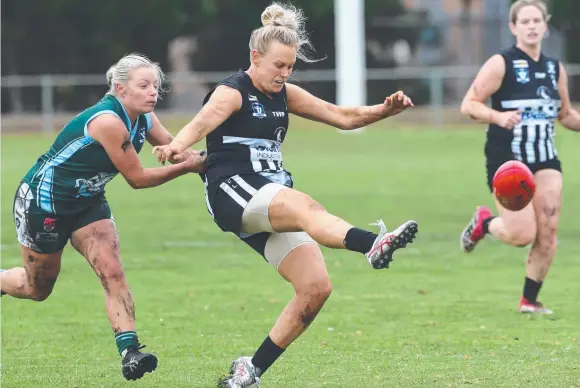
(437,318)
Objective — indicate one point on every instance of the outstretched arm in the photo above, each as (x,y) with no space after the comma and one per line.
(159,135)
(302,103)
(568,116)
(111,133)
(223,102)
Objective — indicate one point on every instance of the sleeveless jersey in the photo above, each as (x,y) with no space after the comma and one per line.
(76,168)
(531,87)
(249,141)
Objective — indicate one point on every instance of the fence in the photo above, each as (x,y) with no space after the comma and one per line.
(437,80)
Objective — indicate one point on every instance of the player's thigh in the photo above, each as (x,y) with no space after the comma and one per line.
(42,237)
(305,268)
(295,255)
(96,238)
(42,269)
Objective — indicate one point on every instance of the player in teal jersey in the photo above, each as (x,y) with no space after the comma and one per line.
(62,197)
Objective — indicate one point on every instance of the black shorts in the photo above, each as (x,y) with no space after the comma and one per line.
(226,200)
(492,166)
(47,232)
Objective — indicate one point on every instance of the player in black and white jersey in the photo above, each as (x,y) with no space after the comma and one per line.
(529,91)
(249,193)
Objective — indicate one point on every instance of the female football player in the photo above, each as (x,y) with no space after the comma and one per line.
(63,197)
(249,193)
(528,90)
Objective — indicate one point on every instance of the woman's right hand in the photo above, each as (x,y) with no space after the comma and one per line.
(171,152)
(194,160)
(509,119)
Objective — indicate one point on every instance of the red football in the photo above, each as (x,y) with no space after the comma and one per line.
(514,185)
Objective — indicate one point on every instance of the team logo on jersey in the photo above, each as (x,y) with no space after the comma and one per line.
(522,71)
(551,66)
(545,94)
(49,224)
(280,134)
(142,135)
(259,110)
(94,185)
(252,98)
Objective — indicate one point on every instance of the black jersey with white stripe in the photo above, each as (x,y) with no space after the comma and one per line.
(531,87)
(250,139)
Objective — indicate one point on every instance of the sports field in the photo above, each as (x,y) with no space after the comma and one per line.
(436,318)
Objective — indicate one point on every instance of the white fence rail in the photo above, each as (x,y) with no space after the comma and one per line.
(436,77)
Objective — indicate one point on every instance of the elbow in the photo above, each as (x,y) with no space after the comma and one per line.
(346,124)
(465,108)
(136,182)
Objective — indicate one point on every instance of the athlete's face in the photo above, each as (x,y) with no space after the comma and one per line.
(530,26)
(140,92)
(275,66)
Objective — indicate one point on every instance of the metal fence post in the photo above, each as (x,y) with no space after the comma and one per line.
(436,96)
(47,103)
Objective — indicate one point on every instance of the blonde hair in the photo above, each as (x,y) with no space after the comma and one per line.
(518,5)
(119,72)
(285,24)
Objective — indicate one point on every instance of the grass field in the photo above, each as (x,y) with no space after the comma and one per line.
(436,318)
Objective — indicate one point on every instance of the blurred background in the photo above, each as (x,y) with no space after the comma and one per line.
(55,52)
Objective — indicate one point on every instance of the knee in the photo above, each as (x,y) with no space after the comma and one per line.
(111,275)
(41,294)
(316,291)
(522,237)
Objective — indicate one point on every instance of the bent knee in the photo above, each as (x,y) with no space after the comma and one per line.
(316,291)
(39,295)
(521,237)
(112,278)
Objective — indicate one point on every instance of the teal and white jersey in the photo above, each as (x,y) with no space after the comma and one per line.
(76,168)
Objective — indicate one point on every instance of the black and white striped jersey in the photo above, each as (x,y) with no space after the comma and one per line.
(249,140)
(531,87)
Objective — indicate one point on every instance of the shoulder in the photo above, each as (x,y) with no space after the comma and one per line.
(239,80)
(495,65)
(224,91)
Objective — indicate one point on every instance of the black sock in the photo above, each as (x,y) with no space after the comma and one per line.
(359,240)
(266,355)
(486,224)
(531,290)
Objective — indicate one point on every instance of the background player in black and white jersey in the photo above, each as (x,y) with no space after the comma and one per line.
(245,119)
(528,91)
